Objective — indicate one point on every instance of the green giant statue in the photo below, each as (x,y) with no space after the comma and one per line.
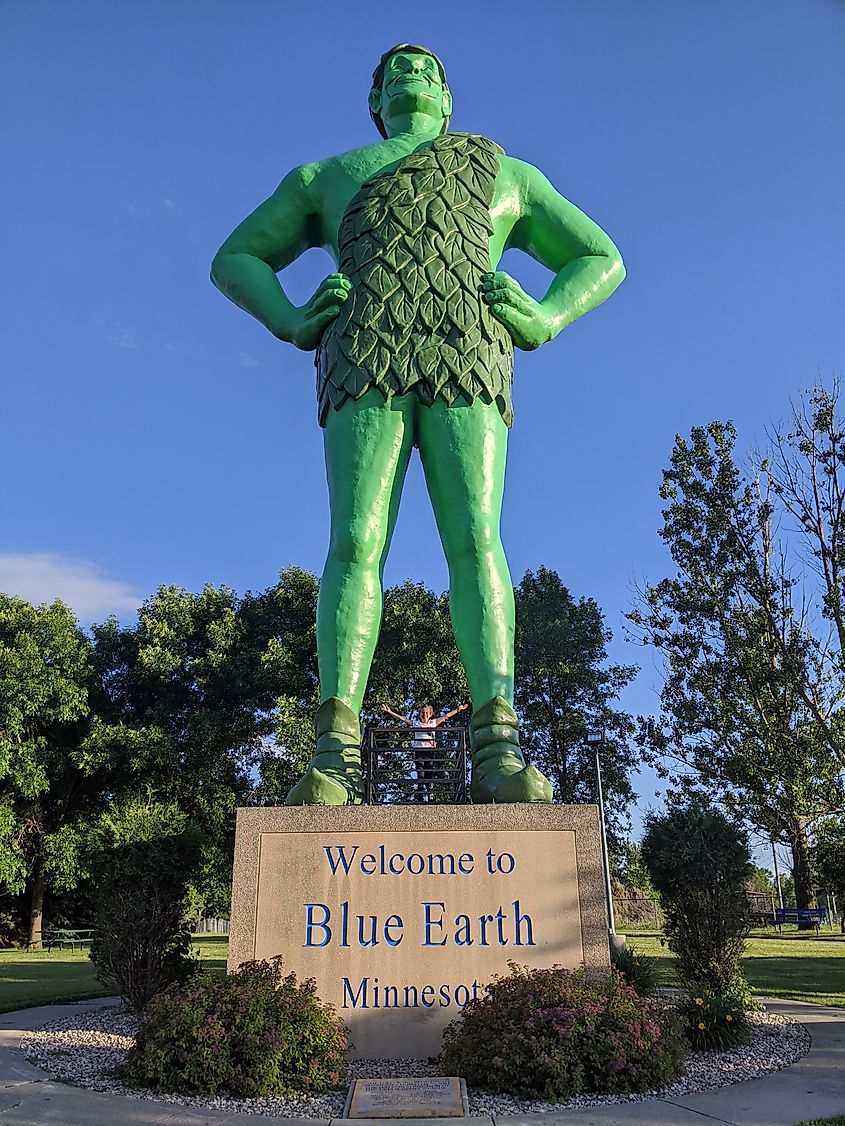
(414,339)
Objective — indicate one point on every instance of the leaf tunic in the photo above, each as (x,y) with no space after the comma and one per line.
(414,242)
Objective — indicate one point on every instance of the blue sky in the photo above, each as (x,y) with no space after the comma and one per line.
(155,433)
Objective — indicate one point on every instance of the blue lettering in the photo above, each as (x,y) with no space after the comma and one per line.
(462,934)
(368,864)
(466,858)
(461,1004)
(391,923)
(483,920)
(341,860)
(362,939)
(445,998)
(411,991)
(518,921)
(429,923)
(311,923)
(500,921)
(427,996)
(354,998)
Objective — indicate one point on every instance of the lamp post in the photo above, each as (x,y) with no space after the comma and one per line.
(596,740)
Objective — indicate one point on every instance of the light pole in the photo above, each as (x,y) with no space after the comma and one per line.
(596,740)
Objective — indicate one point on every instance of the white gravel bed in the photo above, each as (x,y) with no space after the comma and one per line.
(85,1050)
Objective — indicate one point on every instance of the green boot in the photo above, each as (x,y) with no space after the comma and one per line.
(499,773)
(334,774)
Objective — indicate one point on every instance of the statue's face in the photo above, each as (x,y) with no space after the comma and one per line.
(412,83)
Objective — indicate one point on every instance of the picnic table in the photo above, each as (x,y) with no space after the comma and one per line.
(68,937)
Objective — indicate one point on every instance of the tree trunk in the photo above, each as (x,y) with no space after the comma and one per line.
(39,884)
(801,871)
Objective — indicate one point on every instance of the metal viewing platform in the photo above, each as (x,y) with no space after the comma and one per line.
(413,765)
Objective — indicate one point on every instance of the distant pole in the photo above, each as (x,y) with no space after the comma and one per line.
(777,873)
(596,739)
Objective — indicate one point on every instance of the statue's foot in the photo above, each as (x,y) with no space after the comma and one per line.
(334,775)
(317,788)
(499,772)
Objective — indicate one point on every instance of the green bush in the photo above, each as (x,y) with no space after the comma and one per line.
(251,1034)
(552,1034)
(714,1022)
(699,862)
(640,971)
(145,857)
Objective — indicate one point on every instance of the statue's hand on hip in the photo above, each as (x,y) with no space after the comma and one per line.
(314,317)
(524,318)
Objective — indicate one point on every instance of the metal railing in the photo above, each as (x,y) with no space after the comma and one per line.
(407,765)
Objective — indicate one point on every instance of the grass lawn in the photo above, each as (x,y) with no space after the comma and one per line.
(40,978)
(792,965)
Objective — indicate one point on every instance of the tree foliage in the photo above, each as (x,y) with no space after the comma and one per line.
(565,688)
(828,858)
(750,707)
(144,857)
(699,863)
(47,795)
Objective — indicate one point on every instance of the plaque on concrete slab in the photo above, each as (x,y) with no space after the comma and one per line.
(430,1097)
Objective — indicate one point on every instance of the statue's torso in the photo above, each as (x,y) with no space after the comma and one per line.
(415,239)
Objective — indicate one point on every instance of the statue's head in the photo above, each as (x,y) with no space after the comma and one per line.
(407,78)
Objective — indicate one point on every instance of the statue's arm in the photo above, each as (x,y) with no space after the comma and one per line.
(586,264)
(273,236)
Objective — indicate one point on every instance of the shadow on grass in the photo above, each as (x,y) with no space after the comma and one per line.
(821,980)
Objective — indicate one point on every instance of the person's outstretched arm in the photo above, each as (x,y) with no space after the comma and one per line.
(272,237)
(448,715)
(586,264)
(395,715)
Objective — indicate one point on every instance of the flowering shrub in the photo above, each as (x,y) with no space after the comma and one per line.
(255,1032)
(714,1021)
(551,1034)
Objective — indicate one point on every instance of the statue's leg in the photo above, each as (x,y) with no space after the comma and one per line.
(463,449)
(367,446)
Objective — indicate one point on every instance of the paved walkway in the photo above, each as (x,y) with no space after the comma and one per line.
(812,1088)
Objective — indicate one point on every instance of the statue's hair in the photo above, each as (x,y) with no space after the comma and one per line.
(378,78)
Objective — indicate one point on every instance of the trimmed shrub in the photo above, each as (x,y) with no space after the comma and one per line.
(142,942)
(640,971)
(251,1034)
(699,862)
(714,1022)
(552,1034)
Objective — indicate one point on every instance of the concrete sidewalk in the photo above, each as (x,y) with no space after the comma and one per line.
(812,1088)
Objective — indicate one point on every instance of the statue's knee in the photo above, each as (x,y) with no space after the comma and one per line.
(477,540)
(356,544)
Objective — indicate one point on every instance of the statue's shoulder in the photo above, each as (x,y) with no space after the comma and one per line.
(352,160)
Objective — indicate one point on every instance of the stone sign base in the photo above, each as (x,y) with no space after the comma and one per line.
(403,913)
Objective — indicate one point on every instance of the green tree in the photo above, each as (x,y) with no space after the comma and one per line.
(285,617)
(635,876)
(829,860)
(699,863)
(47,796)
(185,698)
(749,708)
(143,855)
(564,688)
(416,660)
